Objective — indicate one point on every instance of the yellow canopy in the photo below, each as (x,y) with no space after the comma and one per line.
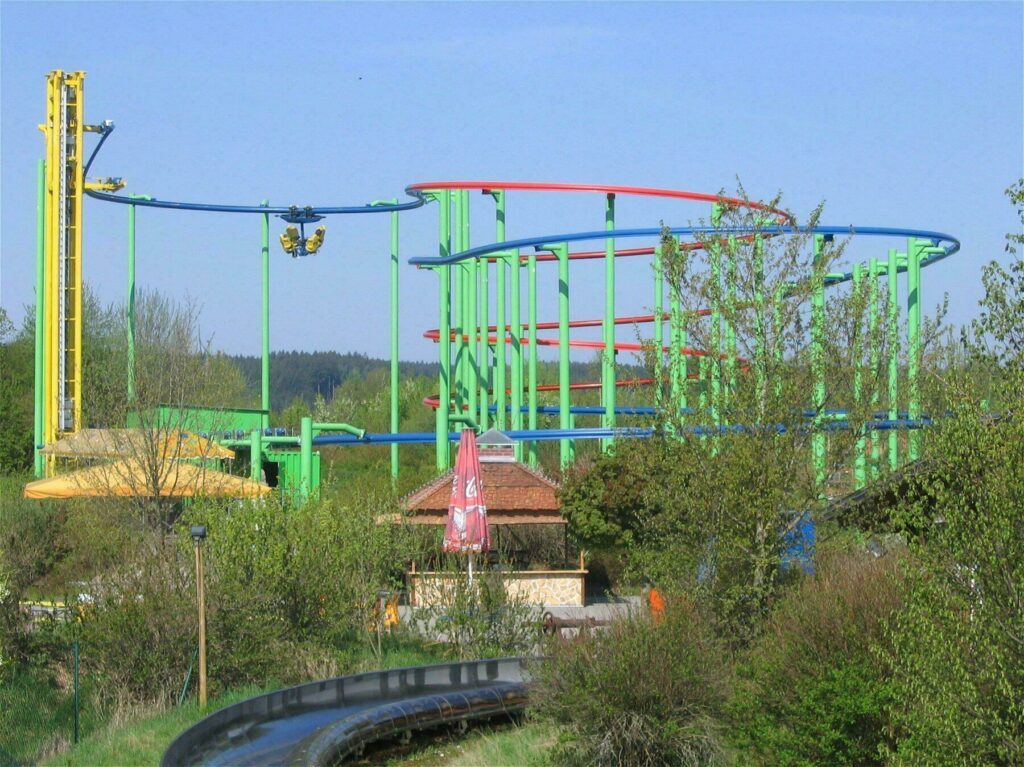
(129,478)
(133,443)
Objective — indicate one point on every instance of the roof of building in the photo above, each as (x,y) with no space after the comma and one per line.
(514,494)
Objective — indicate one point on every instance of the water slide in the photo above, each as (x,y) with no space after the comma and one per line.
(323,723)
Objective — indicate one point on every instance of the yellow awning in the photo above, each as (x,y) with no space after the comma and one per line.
(129,479)
(133,443)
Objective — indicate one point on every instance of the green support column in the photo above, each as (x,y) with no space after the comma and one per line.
(516,327)
(458,322)
(608,358)
(730,330)
(873,437)
(256,456)
(819,438)
(675,359)
(760,332)
(532,319)
(306,458)
(129,303)
(39,462)
(659,330)
(914,251)
(892,265)
(501,323)
(444,343)
(471,323)
(780,342)
(265,319)
(566,446)
(394,339)
(715,257)
(860,459)
(484,355)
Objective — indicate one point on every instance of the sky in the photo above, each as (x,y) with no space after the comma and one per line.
(893,114)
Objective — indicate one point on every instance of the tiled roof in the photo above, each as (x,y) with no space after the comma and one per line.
(510,488)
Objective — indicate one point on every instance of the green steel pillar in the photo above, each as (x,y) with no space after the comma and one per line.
(675,359)
(566,446)
(914,252)
(819,438)
(265,319)
(39,462)
(129,303)
(394,339)
(892,265)
(659,322)
(608,358)
(780,342)
(859,471)
(501,323)
(715,256)
(729,323)
(256,455)
(516,327)
(444,341)
(873,437)
(472,365)
(484,355)
(532,319)
(306,457)
(760,332)
(459,311)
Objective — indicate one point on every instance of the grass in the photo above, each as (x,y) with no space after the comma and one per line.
(37,717)
(511,745)
(141,737)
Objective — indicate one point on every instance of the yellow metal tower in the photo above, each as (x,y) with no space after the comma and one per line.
(62,214)
(59,296)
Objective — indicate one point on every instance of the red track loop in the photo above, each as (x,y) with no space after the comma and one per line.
(641,191)
(434,400)
(782,217)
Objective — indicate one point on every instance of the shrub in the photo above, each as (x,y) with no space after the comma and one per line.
(811,689)
(482,620)
(640,693)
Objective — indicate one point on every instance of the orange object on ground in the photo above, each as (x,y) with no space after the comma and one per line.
(657,603)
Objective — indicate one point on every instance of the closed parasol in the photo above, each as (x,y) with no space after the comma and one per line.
(466,529)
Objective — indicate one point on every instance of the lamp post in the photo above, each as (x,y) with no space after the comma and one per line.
(198,536)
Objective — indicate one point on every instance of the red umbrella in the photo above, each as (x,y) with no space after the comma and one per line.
(466,528)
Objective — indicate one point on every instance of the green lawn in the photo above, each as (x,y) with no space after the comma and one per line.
(507,745)
(142,739)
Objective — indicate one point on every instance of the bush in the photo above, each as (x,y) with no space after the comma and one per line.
(811,689)
(641,693)
(481,620)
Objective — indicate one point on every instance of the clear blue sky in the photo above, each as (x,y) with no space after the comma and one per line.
(894,114)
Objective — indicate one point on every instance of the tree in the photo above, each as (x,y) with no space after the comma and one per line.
(958,655)
(16,400)
(740,457)
(174,370)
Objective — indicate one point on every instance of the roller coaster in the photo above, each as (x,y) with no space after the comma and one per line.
(488,366)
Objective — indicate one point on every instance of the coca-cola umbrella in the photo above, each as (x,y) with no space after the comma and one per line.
(465,532)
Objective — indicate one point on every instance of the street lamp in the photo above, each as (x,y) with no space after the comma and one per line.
(198,536)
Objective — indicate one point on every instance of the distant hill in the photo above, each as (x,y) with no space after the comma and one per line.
(306,374)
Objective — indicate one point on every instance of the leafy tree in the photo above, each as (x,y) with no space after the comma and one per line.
(174,371)
(958,646)
(709,505)
(16,399)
